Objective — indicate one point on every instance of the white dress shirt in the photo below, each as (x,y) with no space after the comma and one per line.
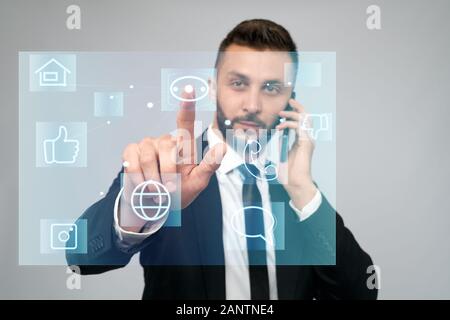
(230,180)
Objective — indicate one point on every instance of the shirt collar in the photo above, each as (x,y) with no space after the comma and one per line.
(233,159)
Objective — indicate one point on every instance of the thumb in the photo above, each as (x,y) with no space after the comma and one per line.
(210,163)
(62,134)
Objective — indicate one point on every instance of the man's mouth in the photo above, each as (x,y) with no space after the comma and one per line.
(248,125)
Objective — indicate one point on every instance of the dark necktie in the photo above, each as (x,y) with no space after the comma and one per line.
(254,225)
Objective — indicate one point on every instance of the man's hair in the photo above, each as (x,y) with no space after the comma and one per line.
(260,34)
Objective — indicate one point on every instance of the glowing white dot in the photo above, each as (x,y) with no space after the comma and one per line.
(131,86)
(227,122)
(289,84)
(175,89)
(102,193)
(188,88)
(282,120)
(108,122)
(126,164)
(202,89)
(149,105)
(111,97)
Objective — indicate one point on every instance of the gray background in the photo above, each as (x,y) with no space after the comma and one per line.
(392,97)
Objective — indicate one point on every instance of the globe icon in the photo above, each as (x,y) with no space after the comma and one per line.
(150,200)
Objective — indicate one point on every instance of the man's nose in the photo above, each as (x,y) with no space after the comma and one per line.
(253,101)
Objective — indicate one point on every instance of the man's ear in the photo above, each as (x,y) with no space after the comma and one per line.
(212,84)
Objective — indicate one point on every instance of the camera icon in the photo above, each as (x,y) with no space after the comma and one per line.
(63,236)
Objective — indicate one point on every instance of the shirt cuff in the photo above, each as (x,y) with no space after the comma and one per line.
(310,208)
(127,239)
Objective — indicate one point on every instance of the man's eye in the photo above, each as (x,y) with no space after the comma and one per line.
(237,83)
(272,89)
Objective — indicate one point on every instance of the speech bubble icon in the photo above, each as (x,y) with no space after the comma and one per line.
(271,219)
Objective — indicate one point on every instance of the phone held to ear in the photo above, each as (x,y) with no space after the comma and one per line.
(285,136)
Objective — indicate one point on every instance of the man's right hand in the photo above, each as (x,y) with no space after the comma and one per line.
(157,159)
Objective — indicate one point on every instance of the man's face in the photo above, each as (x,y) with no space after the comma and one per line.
(251,88)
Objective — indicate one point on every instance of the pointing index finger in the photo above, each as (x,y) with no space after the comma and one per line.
(185,126)
(186,114)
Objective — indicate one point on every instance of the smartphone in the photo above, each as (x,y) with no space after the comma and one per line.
(285,136)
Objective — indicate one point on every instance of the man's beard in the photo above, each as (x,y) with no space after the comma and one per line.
(223,128)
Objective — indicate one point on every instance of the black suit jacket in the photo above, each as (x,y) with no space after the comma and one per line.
(187,262)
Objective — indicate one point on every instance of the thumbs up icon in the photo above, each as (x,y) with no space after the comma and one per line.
(61,150)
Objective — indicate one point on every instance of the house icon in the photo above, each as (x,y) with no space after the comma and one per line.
(53,74)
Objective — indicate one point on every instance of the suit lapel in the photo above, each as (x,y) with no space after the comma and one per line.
(207,209)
